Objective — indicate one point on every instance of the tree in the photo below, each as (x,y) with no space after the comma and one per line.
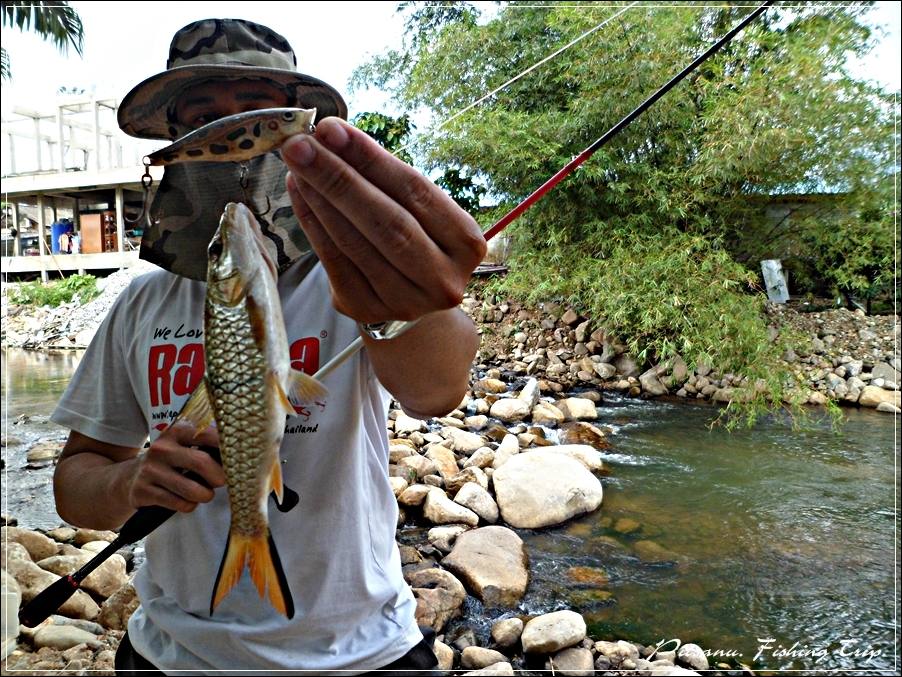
(56,22)
(647,234)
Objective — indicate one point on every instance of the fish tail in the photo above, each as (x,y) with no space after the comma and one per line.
(260,555)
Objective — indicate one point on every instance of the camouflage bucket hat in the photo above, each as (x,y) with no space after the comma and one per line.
(222,49)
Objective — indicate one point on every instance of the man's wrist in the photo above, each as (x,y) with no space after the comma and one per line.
(385,331)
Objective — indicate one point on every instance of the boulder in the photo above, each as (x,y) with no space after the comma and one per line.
(118,608)
(510,409)
(577,409)
(872,396)
(439,596)
(480,501)
(552,632)
(543,488)
(501,668)
(439,509)
(585,454)
(506,632)
(651,383)
(38,545)
(575,661)
(103,581)
(493,564)
(547,414)
(408,424)
(693,656)
(475,657)
(462,441)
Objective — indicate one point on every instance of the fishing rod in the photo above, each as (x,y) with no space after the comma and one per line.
(138,526)
(398,327)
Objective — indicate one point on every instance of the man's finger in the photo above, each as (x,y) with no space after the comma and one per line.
(383,222)
(426,202)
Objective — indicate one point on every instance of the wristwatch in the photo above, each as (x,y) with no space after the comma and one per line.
(383,331)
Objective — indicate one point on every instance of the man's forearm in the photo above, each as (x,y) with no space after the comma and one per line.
(91,490)
(427,368)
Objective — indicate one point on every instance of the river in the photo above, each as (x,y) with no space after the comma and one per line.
(774,547)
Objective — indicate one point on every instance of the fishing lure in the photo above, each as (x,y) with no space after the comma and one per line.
(237,137)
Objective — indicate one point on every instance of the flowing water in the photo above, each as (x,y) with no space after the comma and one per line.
(774,547)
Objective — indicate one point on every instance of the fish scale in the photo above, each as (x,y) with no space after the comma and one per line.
(242,399)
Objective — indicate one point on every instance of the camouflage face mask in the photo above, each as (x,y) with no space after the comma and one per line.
(189,203)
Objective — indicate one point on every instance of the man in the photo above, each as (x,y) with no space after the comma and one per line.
(391,246)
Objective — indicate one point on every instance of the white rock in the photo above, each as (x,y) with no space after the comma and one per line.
(510,409)
(414,495)
(506,632)
(398,485)
(693,656)
(530,393)
(475,657)
(408,424)
(586,454)
(552,632)
(443,537)
(480,501)
(444,461)
(481,458)
(439,509)
(492,563)
(547,414)
(577,409)
(574,661)
(463,441)
(543,488)
(496,669)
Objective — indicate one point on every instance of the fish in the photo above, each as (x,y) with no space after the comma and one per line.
(247,389)
(237,137)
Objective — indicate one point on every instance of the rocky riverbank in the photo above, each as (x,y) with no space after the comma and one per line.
(842,356)
(469,480)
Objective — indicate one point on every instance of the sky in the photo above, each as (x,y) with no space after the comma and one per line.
(126,42)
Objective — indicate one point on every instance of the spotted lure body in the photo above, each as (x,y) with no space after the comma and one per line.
(237,137)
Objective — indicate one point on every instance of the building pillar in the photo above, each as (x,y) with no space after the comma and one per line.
(42,243)
(17,242)
(120,219)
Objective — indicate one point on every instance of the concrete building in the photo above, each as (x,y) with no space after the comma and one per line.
(70,162)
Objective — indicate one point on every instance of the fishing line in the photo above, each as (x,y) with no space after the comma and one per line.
(520,75)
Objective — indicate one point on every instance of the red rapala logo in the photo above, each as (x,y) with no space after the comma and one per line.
(173,370)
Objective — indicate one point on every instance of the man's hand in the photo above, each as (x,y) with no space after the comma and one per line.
(394,245)
(100,485)
(159,478)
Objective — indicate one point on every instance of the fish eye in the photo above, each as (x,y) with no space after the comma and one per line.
(215,249)
(288,116)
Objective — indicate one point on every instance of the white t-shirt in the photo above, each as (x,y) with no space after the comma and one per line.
(353,609)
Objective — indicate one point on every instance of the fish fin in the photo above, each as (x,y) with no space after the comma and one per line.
(305,389)
(275,480)
(230,568)
(262,558)
(197,410)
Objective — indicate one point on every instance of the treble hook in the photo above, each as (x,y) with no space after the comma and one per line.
(146,182)
(243,182)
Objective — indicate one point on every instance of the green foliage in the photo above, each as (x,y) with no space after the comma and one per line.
(57,292)
(393,134)
(462,189)
(54,21)
(647,234)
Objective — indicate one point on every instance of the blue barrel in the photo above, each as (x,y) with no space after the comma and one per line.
(56,231)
